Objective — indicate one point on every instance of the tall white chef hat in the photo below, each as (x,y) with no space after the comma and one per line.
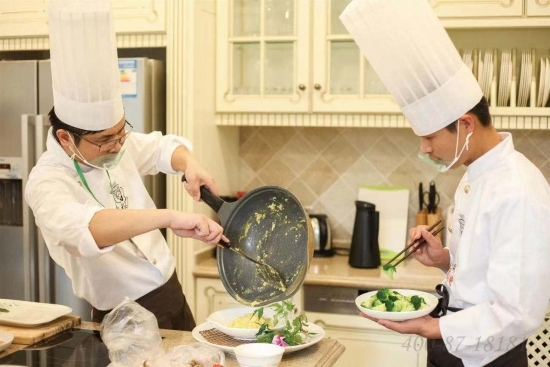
(414,57)
(85,74)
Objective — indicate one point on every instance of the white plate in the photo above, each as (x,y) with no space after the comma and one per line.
(221,320)
(312,328)
(23,313)
(5,340)
(430,299)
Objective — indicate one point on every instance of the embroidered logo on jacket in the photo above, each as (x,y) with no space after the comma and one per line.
(462,222)
(121,200)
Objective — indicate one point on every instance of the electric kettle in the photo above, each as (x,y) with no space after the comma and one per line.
(321,235)
(365,251)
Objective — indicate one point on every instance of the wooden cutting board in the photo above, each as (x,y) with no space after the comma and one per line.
(31,335)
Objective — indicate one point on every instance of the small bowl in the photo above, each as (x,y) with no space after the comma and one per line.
(259,354)
(221,320)
(5,340)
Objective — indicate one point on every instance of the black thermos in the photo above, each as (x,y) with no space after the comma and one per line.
(365,251)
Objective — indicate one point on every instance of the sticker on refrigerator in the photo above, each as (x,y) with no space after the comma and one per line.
(128,78)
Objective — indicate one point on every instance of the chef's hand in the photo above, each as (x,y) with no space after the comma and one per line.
(196,176)
(432,252)
(426,326)
(197,226)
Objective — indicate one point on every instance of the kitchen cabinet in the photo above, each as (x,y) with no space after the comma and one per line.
(211,296)
(30,18)
(369,344)
(333,83)
(538,8)
(477,8)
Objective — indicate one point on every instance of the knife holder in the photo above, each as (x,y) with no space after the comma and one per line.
(422,218)
(433,218)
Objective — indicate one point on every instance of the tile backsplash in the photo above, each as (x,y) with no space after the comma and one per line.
(324,167)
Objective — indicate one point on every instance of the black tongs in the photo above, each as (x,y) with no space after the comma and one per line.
(419,243)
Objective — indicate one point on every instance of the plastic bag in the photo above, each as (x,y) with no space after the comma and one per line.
(132,337)
(131,334)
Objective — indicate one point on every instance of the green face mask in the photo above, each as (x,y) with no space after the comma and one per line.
(104,162)
(441,165)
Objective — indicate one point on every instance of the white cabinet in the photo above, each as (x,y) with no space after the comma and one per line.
(368,344)
(262,55)
(477,8)
(538,8)
(29,18)
(318,69)
(211,296)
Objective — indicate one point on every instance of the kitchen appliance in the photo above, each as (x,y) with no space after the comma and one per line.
(70,348)
(321,235)
(365,251)
(26,270)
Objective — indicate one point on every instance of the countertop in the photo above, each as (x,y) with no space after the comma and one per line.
(323,354)
(335,271)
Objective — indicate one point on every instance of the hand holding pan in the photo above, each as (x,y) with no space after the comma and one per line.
(266,223)
(266,271)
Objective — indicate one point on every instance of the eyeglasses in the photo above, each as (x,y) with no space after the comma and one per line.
(105,147)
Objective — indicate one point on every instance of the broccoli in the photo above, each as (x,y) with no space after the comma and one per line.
(389,270)
(383,294)
(393,298)
(376,302)
(389,305)
(403,305)
(417,302)
(380,307)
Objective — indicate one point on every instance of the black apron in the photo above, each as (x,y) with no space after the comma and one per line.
(167,303)
(439,356)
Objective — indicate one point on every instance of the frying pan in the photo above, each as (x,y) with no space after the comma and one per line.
(267,224)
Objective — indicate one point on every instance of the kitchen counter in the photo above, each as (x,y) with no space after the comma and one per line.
(335,271)
(323,354)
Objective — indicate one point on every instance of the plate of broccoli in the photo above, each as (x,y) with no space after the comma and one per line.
(396,304)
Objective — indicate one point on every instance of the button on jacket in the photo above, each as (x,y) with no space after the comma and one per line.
(500,251)
(63,209)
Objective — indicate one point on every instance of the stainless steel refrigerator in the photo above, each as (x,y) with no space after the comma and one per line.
(26,270)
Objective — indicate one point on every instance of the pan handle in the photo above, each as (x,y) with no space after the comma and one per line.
(212,200)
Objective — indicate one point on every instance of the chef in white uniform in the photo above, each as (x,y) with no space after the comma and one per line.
(86,191)
(498,263)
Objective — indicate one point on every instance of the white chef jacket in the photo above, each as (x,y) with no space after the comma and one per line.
(63,209)
(500,256)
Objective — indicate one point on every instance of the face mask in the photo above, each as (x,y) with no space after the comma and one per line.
(441,165)
(104,162)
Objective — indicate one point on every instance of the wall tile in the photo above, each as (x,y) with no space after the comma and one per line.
(324,167)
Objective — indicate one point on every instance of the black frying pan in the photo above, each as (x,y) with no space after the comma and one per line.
(268,224)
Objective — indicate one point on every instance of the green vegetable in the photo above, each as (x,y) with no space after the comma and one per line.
(3,310)
(390,301)
(389,270)
(293,332)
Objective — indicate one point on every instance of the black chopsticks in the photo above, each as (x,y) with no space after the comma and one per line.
(418,242)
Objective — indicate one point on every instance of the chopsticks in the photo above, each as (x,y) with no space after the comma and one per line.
(418,242)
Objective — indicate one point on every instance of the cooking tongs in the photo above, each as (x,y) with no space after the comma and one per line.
(419,243)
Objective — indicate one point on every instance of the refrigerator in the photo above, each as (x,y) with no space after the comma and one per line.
(26,270)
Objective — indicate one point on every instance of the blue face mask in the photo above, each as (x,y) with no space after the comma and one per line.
(441,165)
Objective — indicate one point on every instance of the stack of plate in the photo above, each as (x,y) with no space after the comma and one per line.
(485,72)
(505,79)
(544,83)
(526,73)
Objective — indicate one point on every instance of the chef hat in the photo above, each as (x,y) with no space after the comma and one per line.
(85,74)
(414,57)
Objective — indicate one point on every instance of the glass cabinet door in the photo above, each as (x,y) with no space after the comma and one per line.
(343,79)
(262,55)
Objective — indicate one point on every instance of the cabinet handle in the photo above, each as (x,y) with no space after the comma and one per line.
(302,87)
(317,86)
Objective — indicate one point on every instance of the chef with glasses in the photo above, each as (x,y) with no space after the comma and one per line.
(86,191)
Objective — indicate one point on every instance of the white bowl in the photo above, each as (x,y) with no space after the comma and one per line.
(221,320)
(259,354)
(5,340)
(430,299)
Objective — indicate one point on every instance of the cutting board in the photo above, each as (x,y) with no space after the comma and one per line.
(392,202)
(31,335)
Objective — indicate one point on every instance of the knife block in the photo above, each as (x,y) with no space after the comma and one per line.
(422,218)
(433,218)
